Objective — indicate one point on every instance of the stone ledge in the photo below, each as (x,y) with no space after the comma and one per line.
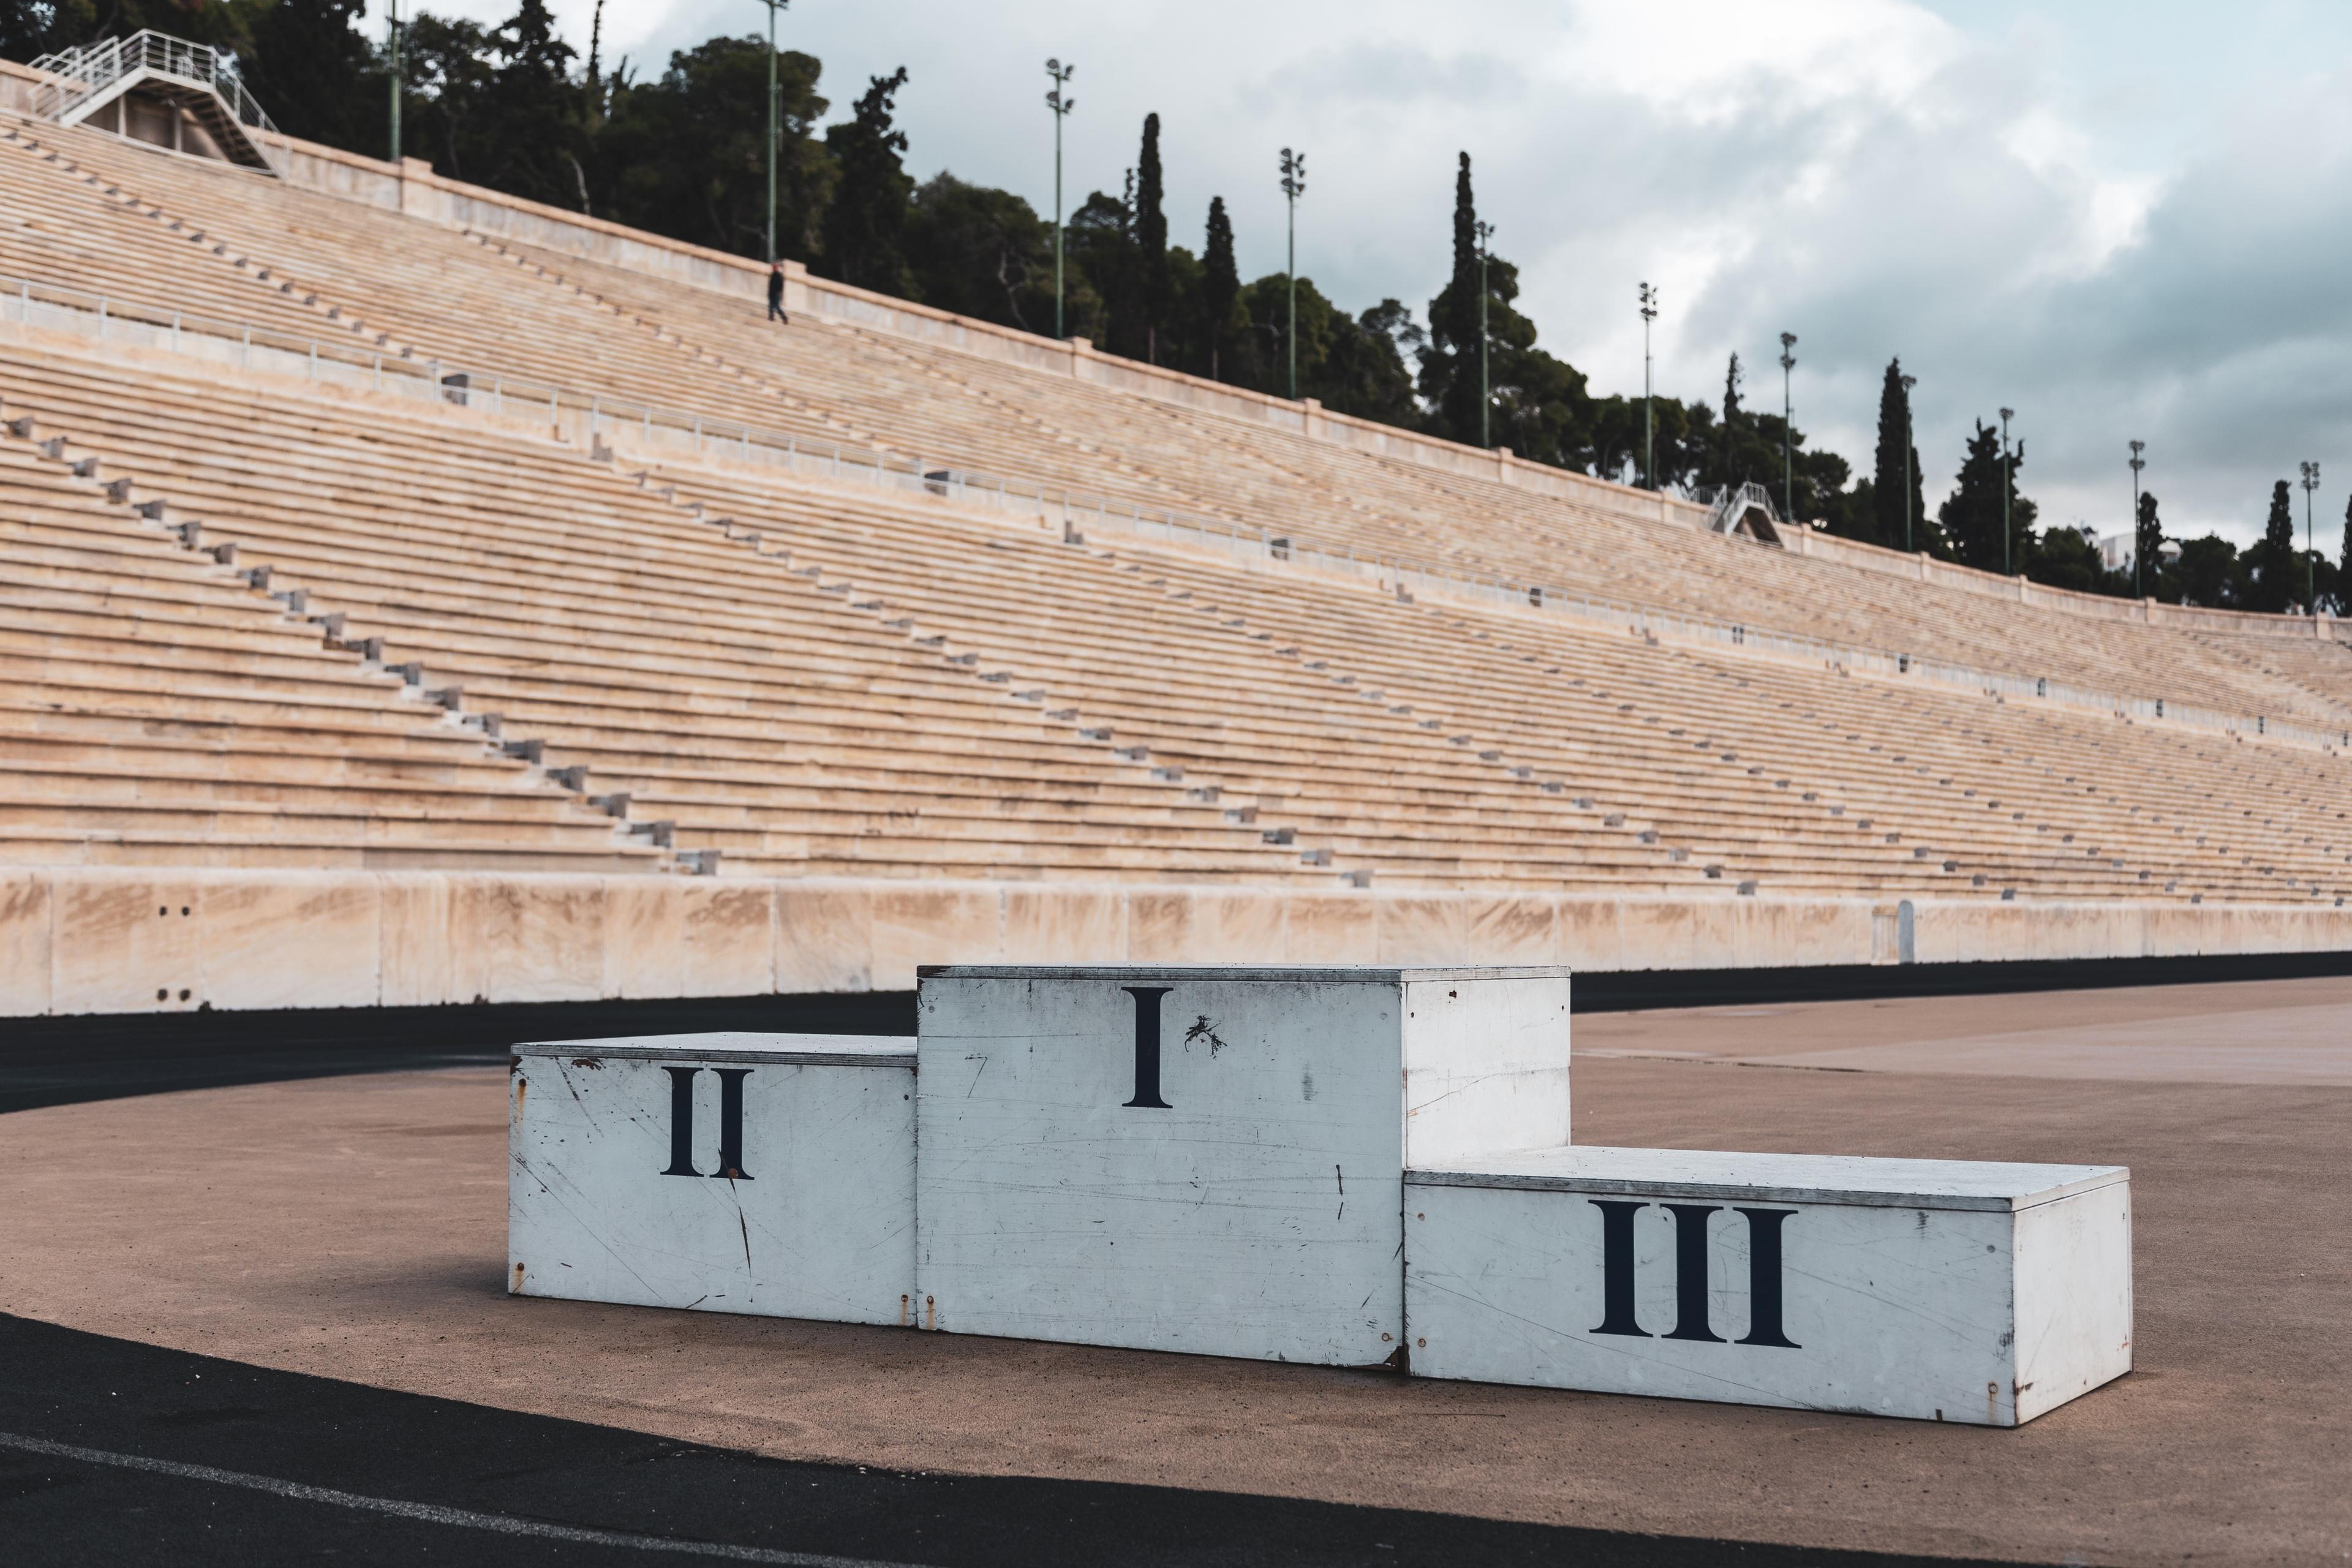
(138,940)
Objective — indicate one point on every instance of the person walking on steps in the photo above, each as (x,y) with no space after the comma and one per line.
(776,293)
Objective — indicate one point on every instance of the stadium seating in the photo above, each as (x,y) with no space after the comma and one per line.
(160,710)
(454,297)
(572,660)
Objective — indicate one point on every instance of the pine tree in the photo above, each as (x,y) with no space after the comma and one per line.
(535,139)
(870,206)
(1220,285)
(1970,517)
(1152,239)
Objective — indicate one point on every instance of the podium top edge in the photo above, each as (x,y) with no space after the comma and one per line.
(1326,974)
(1859,1180)
(738,1046)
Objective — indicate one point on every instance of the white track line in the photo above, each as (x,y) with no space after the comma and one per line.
(431,1513)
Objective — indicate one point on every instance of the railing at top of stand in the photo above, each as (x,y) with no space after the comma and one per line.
(353,363)
(79,74)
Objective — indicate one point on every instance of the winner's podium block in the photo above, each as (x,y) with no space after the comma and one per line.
(733,1173)
(1942,1290)
(1210,1159)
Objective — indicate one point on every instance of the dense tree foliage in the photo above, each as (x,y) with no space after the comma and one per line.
(864,224)
(684,153)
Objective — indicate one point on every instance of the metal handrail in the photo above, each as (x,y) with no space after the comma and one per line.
(355,364)
(77,75)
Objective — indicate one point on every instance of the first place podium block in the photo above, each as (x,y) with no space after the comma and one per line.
(732,1172)
(1210,1159)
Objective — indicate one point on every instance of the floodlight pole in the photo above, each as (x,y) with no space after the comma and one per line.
(775,118)
(1060,103)
(1294,185)
(1909,381)
(2310,570)
(1649,438)
(393,26)
(1485,231)
(2138,574)
(2006,414)
(1787,427)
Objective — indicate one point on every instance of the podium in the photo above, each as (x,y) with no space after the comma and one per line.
(1351,1166)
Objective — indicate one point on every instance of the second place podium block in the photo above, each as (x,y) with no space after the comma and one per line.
(732,1172)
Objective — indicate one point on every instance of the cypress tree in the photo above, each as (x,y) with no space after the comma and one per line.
(1220,285)
(1152,239)
(1449,376)
(1890,484)
(2147,539)
(1732,413)
(2344,567)
(2276,578)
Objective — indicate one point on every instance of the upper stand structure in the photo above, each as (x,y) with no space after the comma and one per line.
(160,89)
(1746,509)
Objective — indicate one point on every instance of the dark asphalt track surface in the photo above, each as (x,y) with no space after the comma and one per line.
(429,1481)
(115,1451)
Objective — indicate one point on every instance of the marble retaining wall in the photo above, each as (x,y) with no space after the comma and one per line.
(93,939)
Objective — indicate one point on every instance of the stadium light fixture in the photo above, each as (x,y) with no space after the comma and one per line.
(392,28)
(1649,427)
(1061,103)
(1788,427)
(1908,383)
(1485,232)
(2310,570)
(775,122)
(2006,483)
(1294,185)
(2138,463)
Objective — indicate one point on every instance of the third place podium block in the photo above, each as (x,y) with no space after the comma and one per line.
(1940,1290)
(1210,1159)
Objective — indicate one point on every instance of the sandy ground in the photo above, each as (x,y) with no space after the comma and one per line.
(354,1227)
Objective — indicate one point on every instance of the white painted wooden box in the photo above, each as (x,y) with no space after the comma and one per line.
(1210,1159)
(1941,1289)
(733,1173)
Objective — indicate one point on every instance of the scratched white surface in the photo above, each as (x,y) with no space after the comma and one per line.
(823,1228)
(1986,1315)
(1257,1214)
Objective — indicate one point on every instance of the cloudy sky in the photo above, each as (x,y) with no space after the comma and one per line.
(2120,220)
